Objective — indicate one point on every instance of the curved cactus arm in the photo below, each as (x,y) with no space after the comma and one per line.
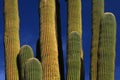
(73,56)
(25,53)
(106,52)
(33,70)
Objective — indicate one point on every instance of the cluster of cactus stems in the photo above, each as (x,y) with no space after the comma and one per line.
(20,62)
(103,43)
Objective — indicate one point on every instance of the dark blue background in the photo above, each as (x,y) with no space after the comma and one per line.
(29,29)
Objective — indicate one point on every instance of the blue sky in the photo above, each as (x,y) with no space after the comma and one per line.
(29,29)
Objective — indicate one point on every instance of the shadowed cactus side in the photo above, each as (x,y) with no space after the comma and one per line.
(25,53)
(33,70)
(73,56)
(106,53)
(48,40)
(97,13)
(11,39)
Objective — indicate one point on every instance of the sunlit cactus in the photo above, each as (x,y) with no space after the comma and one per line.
(33,70)
(48,41)
(107,43)
(24,54)
(73,56)
(11,38)
(97,12)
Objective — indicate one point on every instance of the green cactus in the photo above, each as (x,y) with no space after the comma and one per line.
(106,51)
(48,40)
(73,56)
(33,70)
(11,39)
(24,54)
(97,13)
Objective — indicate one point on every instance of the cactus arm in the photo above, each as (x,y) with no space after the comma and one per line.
(106,52)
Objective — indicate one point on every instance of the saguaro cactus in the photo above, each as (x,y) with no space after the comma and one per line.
(97,12)
(106,53)
(73,56)
(33,70)
(24,54)
(48,41)
(75,21)
(11,38)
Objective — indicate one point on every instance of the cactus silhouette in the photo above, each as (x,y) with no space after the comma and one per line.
(106,52)
(48,40)
(73,56)
(33,70)
(24,54)
(11,38)
(97,13)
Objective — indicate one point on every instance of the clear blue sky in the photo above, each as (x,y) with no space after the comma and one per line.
(29,29)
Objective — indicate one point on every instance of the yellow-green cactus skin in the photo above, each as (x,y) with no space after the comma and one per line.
(48,40)
(97,13)
(107,43)
(11,38)
(33,70)
(73,56)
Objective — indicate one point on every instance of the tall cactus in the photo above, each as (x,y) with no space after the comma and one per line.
(97,12)
(32,70)
(75,22)
(106,53)
(11,38)
(24,54)
(48,41)
(73,56)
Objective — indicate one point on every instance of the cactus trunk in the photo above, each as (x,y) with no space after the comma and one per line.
(106,53)
(11,38)
(73,56)
(33,70)
(97,12)
(48,40)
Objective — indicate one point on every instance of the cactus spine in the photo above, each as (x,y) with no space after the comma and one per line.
(24,54)
(97,12)
(48,41)
(33,70)
(11,38)
(73,56)
(106,53)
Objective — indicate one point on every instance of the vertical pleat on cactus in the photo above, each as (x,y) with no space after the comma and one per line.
(48,40)
(33,70)
(73,56)
(97,13)
(11,38)
(25,53)
(107,43)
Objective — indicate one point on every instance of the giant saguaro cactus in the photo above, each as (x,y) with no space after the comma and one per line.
(73,56)
(97,12)
(106,50)
(33,70)
(24,54)
(11,38)
(48,41)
